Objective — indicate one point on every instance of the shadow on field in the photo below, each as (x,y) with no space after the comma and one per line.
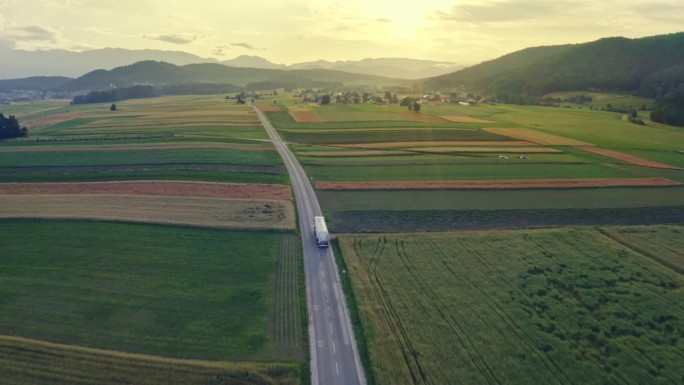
(384,221)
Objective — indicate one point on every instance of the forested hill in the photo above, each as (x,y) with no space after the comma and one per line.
(642,65)
(161,73)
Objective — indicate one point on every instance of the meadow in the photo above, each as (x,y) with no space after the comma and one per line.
(566,305)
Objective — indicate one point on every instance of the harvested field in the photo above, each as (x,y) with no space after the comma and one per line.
(498,184)
(417,117)
(305,116)
(635,160)
(436,143)
(536,136)
(137,147)
(268,107)
(191,211)
(522,150)
(154,187)
(464,119)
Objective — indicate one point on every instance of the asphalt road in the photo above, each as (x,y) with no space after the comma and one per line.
(334,354)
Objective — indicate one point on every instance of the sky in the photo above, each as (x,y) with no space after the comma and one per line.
(292,31)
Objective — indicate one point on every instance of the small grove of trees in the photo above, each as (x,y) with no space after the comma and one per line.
(9,128)
(669,108)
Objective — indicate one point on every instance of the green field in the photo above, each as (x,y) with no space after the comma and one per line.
(157,138)
(568,305)
(164,291)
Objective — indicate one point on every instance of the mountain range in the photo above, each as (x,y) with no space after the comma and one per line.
(21,64)
(649,66)
(646,66)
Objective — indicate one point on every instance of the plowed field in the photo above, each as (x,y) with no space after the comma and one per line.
(464,119)
(498,184)
(522,150)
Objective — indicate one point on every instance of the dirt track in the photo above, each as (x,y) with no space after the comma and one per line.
(159,188)
(635,160)
(498,184)
(305,117)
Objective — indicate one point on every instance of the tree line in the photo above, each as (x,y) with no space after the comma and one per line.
(146,91)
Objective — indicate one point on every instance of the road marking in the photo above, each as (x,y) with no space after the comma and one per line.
(331,327)
(334,351)
(337,368)
(325,287)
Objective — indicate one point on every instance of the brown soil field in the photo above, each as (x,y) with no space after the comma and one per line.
(464,119)
(137,147)
(190,211)
(351,153)
(435,143)
(536,136)
(635,160)
(522,150)
(498,184)
(155,187)
(305,116)
(418,117)
(268,107)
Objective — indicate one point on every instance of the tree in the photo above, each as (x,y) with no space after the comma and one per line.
(325,99)
(9,128)
(416,107)
(406,101)
(112,107)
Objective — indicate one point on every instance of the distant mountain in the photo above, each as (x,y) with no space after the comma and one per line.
(619,64)
(400,68)
(35,83)
(160,73)
(19,63)
(246,61)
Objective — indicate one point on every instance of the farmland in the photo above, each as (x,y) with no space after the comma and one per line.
(528,306)
(157,239)
(498,143)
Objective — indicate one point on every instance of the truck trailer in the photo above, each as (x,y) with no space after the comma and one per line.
(321,232)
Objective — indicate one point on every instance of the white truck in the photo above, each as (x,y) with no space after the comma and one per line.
(321,232)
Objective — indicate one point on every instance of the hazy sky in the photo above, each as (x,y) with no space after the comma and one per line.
(289,31)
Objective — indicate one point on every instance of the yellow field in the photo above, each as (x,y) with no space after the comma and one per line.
(351,153)
(536,136)
(192,211)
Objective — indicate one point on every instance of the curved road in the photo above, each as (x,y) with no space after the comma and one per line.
(334,355)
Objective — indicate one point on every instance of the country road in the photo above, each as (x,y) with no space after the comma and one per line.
(334,354)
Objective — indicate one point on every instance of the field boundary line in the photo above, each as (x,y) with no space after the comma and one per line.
(639,250)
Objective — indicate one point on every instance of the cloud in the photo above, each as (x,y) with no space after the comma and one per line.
(173,38)
(502,11)
(246,45)
(32,33)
